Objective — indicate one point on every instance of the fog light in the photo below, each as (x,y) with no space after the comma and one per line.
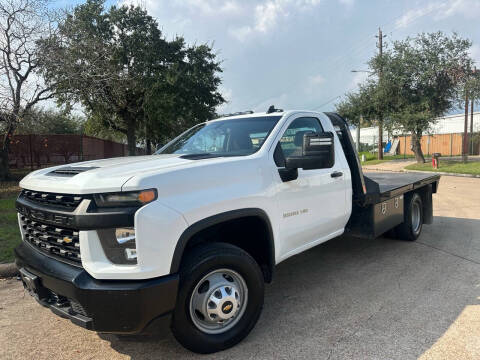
(131,254)
(125,235)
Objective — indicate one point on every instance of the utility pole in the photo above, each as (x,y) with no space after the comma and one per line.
(471,126)
(380,116)
(465,130)
(472,100)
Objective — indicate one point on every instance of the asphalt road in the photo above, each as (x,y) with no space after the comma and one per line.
(345,299)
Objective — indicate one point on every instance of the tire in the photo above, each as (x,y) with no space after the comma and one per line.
(217,266)
(411,227)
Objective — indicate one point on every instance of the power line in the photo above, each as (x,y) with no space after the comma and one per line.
(340,61)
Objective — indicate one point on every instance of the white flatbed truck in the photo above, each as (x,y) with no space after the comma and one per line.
(187,237)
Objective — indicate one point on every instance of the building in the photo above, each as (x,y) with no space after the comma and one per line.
(445,137)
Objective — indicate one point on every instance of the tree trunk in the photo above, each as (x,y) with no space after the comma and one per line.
(4,170)
(417,147)
(149,147)
(131,137)
(4,149)
(380,138)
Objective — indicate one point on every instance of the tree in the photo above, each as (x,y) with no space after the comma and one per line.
(468,92)
(420,79)
(361,108)
(22,23)
(187,96)
(113,61)
(50,121)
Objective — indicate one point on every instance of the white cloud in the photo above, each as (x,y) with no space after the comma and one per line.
(314,82)
(347,3)
(203,7)
(316,79)
(227,94)
(267,15)
(475,54)
(439,10)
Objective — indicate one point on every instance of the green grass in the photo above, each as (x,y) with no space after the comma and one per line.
(456,167)
(9,232)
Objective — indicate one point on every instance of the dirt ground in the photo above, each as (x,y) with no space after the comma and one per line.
(345,299)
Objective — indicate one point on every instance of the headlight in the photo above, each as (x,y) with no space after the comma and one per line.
(125,199)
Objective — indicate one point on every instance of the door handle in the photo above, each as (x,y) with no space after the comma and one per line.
(336,174)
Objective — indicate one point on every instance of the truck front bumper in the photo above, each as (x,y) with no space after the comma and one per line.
(110,306)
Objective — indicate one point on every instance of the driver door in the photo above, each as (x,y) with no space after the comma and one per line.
(312,207)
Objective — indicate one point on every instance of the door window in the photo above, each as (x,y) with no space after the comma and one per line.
(292,140)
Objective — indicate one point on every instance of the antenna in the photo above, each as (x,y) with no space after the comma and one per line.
(272,109)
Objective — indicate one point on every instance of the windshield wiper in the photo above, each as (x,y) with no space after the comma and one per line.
(199,156)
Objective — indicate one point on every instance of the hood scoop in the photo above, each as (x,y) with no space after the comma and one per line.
(70,171)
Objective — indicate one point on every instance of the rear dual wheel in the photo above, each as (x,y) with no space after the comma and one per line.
(412,224)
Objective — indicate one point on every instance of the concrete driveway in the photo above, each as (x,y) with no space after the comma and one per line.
(345,299)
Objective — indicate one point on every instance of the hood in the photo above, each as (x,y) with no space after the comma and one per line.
(106,175)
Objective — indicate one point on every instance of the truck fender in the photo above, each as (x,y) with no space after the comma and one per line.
(217,219)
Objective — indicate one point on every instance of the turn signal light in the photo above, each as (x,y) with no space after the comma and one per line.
(146,196)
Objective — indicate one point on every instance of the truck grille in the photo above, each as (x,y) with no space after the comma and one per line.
(51,239)
(61,201)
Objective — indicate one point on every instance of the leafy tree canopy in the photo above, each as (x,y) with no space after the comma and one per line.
(50,121)
(120,67)
(416,80)
(420,79)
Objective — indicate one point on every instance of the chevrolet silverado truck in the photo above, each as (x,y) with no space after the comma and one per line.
(187,237)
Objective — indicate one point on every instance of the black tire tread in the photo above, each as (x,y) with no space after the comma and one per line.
(404,230)
(185,332)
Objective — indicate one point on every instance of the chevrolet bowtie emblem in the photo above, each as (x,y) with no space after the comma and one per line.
(227,307)
(67,240)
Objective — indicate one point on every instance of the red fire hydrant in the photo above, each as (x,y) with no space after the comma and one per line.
(435,157)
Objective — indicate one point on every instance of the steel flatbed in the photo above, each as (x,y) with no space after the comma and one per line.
(378,198)
(384,186)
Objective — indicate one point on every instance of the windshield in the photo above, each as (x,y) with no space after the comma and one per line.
(232,137)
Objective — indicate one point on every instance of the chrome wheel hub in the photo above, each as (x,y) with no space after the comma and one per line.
(218,301)
(223,303)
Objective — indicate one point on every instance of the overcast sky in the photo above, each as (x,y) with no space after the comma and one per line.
(298,54)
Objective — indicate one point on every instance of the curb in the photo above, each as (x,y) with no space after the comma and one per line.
(8,270)
(428,172)
(444,173)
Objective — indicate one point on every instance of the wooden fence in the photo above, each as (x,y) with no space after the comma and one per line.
(35,151)
(445,144)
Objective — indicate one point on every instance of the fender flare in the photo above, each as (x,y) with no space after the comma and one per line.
(217,219)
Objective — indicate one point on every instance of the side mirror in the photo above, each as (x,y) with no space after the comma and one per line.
(317,152)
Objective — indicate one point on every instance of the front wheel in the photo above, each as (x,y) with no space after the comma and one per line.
(220,298)
(411,227)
